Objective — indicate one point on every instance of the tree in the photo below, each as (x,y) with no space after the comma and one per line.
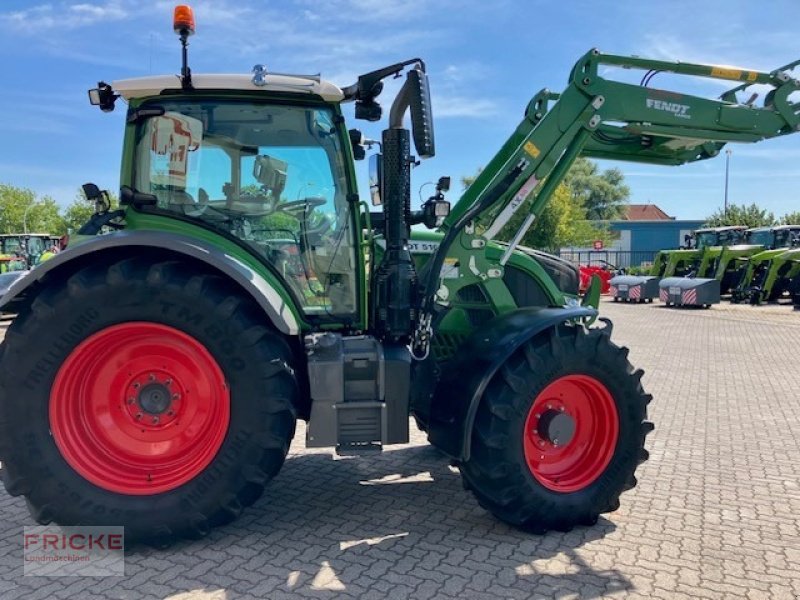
(564,220)
(603,195)
(20,209)
(792,218)
(77,214)
(740,214)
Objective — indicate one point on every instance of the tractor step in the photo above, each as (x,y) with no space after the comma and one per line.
(359,393)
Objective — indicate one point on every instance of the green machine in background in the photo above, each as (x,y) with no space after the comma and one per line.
(249,285)
(700,259)
(768,274)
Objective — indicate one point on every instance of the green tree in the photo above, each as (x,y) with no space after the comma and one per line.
(792,218)
(740,214)
(77,214)
(564,220)
(21,209)
(604,195)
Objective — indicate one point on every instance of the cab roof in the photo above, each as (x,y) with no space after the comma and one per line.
(721,229)
(298,84)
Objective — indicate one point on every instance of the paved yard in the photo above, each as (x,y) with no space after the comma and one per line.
(715,514)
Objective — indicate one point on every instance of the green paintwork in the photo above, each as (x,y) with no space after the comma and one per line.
(592,117)
(599,118)
(768,275)
(137,219)
(731,263)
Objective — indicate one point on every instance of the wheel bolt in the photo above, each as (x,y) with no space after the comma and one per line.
(138,416)
(155,420)
(168,382)
(537,415)
(151,377)
(549,406)
(136,385)
(176,396)
(131,400)
(170,413)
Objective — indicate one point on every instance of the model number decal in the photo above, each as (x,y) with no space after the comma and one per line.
(679,110)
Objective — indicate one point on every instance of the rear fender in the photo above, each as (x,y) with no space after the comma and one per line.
(265,293)
(465,378)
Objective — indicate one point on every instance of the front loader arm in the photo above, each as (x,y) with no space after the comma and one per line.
(600,118)
(606,119)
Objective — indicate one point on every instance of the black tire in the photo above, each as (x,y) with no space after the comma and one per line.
(254,359)
(497,471)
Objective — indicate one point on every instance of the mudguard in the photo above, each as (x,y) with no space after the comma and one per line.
(265,294)
(465,378)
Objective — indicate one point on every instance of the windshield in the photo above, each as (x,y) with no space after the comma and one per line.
(786,238)
(272,175)
(728,237)
(760,238)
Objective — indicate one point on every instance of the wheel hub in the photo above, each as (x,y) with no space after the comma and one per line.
(154,398)
(146,418)
(571,431)
(556,427)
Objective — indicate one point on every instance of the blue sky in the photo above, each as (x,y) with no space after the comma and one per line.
(485,59)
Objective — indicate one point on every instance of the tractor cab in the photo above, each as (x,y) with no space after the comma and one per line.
(263,163)
(781,236)
(719,236)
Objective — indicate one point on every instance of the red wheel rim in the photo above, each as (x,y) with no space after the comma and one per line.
(581,411)
(139,408)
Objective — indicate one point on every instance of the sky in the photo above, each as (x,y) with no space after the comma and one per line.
(485,61)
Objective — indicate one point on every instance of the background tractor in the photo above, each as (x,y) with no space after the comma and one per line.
(22,251)
(768,274)
(703,248)
(248,284)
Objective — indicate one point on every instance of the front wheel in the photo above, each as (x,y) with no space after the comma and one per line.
(559,432)
(159,402)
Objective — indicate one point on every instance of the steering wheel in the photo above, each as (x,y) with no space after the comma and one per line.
(305,204)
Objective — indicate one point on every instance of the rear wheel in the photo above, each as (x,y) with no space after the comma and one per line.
(559,432)
(160,402)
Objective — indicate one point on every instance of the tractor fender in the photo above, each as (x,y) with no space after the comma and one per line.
(465,378)
(262,291)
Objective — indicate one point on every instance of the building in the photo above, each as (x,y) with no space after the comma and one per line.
(644,230)
(647,228)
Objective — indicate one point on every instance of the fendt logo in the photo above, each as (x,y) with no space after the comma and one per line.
(679,110)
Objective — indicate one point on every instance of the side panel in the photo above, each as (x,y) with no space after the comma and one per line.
(465,378)
(263,291)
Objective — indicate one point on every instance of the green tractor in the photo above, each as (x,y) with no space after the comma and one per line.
(249,285)
(768,274)
(23,251)
(697,259)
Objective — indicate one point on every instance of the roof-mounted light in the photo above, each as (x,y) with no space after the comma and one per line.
(183,22)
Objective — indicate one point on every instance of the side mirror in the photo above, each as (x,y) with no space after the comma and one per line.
(91,191)
(357,142)
(421,113)
(376,178)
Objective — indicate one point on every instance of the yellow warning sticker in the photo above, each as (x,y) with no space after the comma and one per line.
(752,76)
(531,149)
(726,73)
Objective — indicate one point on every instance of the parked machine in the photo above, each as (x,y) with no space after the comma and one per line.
(22,251)
(768,274)
(634,288)
(701,251)
(185,346)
